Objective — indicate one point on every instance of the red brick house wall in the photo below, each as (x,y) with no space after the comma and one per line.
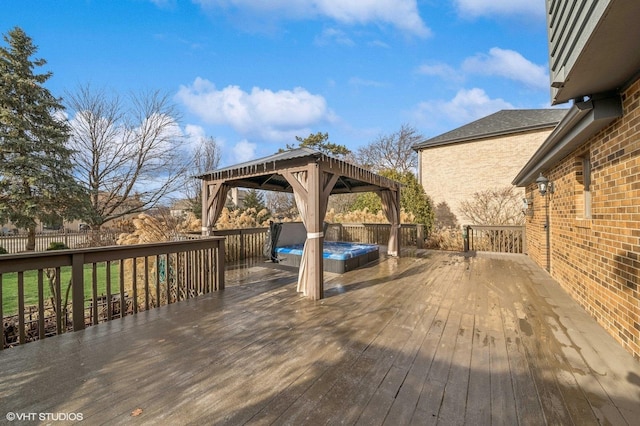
(597,259)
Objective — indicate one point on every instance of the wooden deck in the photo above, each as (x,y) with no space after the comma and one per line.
(432,338)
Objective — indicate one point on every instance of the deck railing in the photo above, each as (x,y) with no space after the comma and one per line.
(241,244)
(15,243)
(48,293)
(248,243)
(375,233)
(500,239)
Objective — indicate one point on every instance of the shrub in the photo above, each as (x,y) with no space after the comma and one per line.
(3,250)
(57,245)
(447,238)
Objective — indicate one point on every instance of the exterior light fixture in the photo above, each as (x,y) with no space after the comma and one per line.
(544,185)
(526,206)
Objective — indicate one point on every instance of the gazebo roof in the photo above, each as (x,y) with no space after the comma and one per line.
(266,173)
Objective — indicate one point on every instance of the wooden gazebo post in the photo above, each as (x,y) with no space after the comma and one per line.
(315,237)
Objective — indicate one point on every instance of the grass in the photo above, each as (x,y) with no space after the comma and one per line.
(10,285)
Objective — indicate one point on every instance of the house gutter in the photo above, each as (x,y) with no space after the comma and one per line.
(582,121)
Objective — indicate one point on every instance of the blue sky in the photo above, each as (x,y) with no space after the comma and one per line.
(254,74)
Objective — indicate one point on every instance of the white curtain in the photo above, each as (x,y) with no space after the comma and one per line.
(214,203)
(302,203)
(299,181)
(391,210)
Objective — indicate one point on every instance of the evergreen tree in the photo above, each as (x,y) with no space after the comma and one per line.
(413,199)
(36,183)
(320,142)
(253,199)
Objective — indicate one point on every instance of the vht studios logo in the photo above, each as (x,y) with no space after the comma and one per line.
(44,417)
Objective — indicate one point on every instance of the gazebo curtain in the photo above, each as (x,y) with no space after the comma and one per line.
(213,203)
(302,192)
(301,198)
(391,210)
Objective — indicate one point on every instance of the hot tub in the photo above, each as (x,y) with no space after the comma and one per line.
(338,256)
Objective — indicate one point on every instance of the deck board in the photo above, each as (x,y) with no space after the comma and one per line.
(435,338)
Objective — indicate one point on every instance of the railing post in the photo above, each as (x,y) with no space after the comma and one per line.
(420,235)
(465,237)
(220,265)
(242,245)
(77,280)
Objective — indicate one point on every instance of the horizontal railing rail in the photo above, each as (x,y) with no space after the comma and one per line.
(497,239)
(16,243)
(48,293)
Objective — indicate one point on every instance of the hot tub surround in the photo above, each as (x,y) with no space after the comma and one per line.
(338,256)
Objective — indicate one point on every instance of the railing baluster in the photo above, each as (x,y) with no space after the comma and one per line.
(57,302)
(157,277)
(94,293)
(134,283)
(108,290)
(41,329)
(123,298)
(146,283)
(77,280)
(21,330)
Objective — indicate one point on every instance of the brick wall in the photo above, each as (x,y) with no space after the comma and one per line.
(453,173)
(597,259)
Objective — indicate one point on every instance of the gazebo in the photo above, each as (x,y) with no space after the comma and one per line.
(311,176)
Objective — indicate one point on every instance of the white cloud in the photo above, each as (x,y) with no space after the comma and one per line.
(466,106)
(271,115)
(509,64)
(477,8)
(244,151)
(333,36)
(403,14)
(444,71)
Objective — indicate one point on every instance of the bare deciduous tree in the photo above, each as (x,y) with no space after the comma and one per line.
(206,157)
(128,156)
(500,206)
(393,152)
(281,204)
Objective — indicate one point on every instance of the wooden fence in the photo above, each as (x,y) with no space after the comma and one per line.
(16,243)
(53,292)
(500,239)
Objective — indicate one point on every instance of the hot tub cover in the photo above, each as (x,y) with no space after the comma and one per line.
(337,250)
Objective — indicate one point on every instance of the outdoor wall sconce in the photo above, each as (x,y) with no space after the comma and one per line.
(527,205)
(544,185)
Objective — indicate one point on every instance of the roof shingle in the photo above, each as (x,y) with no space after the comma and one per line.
(500,123)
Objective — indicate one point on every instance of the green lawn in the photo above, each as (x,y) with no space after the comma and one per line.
(10,286)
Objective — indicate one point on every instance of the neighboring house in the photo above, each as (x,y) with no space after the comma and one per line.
(235,198)
(586,231)
(180,208)
(481,155)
